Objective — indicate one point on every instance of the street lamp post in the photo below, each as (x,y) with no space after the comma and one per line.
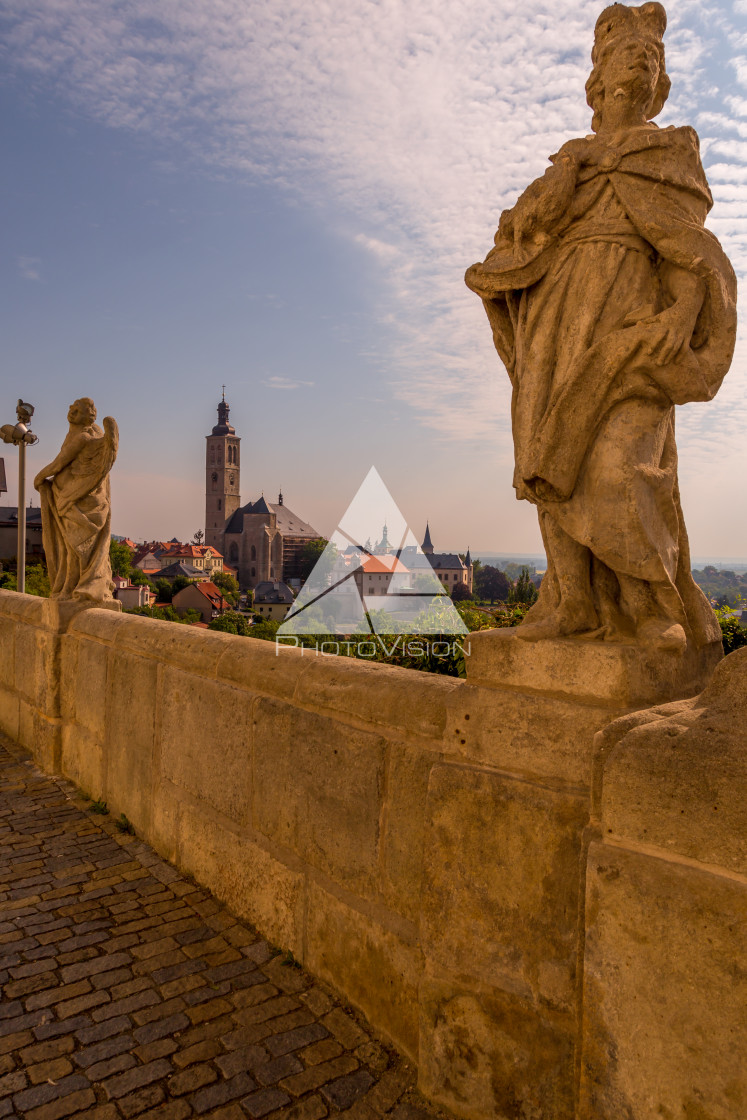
(20,434)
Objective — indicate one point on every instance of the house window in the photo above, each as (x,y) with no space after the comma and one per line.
(233,552)
(254,572)
(218,503)
(254,553)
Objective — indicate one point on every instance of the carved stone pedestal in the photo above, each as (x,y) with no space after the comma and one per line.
(604,673)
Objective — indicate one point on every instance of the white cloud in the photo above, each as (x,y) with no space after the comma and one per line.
(29,268)
(286,383)
(418,121)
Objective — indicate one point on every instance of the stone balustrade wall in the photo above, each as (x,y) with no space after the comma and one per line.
(421,843)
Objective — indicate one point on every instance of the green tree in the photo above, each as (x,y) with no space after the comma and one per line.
(179,583)
(523,591)
(121,558)
(733,636)
(491,583)
(228,585)
(163,590)
(310,554)
(231,622)
(138,578)
(37,581)
(166,614)
(266,629)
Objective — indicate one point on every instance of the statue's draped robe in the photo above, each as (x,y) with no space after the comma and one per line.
(593,416)
(76,518)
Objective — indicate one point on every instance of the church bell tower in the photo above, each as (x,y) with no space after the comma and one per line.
(222,479)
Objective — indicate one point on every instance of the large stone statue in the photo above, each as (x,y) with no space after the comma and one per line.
(609,304)
(76,507)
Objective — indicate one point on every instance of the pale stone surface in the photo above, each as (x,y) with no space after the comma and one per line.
(403,830)
(76,507)
(664,990)
(200,726)
(318,789)
(130,736)
(610,303)
(530,734)
(435,879)
(683,756)
(82,759)
(376,969)
(614,674)
(501,873)
(245,876)
(376,694)
(487,1054)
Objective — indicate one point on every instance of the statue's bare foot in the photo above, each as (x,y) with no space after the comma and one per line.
(662,635)
(568,619)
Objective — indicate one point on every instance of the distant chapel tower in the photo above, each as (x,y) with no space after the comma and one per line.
(222,479)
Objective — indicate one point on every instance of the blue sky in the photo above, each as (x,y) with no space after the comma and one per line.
(283,198)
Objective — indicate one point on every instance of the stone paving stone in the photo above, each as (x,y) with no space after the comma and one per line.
(131,993)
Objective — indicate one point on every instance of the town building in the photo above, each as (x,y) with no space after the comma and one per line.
(9,533)
(132,595)
(263,541)
(448,566)
(272,599)
(377,574)
(204,597)
(179,568)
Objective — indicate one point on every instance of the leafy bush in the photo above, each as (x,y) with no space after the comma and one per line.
(37,581)
(232,623)
(733,636)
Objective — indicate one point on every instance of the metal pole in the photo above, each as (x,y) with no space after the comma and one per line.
(21,578)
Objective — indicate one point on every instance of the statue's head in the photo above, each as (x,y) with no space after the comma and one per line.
(82,411)
(628,59)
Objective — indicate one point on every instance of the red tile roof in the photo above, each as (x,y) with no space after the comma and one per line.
(383,564)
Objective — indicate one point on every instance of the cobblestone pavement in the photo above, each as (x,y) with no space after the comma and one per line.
(127,991)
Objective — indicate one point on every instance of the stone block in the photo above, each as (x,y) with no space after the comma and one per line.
(197,651)
(622,676)
(259,666)
(485,1053)
(678,780)
(32,610)
(7,651)
(415,703)
(409,767)
(665,990)
(163,832)
(205,736)
(40,735)
(131,716)
(318,787)
(100,624)
(258,888)
(84,683)
(374,967)
(82,759)
(37,673)
(9,712)
(532,735)
(502,881)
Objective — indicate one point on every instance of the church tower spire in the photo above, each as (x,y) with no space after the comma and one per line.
(222,477)
(427,545)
